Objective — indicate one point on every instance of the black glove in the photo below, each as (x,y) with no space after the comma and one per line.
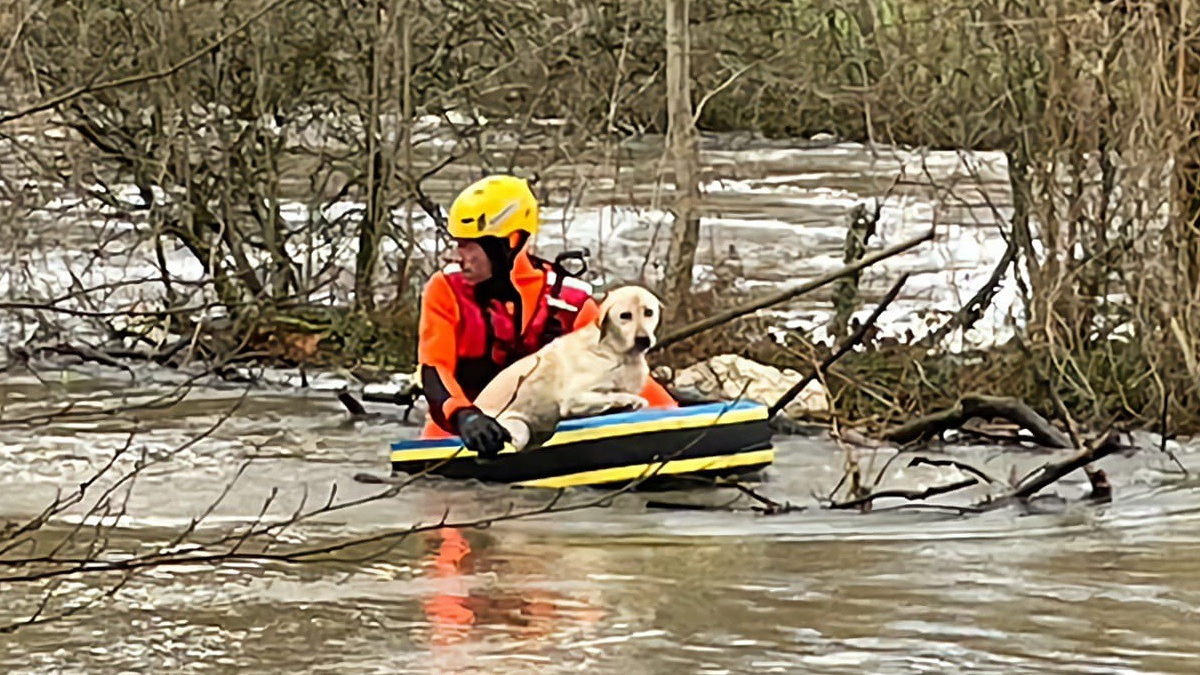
(480,433)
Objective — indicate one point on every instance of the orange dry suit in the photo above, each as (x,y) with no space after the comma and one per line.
(465,341)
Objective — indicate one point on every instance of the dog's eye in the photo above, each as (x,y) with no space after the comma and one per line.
(648,312)
(625,316)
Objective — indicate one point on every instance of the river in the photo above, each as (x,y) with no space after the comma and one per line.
(1076,589)
(1071,588)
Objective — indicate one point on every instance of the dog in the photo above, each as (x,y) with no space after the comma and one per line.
(601,367)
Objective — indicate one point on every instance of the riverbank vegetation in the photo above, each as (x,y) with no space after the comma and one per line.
(372,114)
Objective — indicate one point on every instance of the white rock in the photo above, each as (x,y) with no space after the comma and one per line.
(724,377)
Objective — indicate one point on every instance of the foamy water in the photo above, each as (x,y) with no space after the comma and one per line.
(771,216)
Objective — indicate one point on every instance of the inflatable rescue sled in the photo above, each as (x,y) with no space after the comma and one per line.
(649,447)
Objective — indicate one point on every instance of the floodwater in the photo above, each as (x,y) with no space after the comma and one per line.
(608,585)
(772,214)
(625,587)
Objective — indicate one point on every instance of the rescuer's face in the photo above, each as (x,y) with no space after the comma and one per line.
(473,260)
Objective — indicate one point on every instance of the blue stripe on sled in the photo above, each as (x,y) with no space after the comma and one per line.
(646,415)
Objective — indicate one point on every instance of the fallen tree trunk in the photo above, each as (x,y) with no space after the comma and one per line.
(987,407)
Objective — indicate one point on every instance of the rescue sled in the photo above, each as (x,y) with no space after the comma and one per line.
(652,448)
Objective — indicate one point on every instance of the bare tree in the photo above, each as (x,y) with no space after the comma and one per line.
(684,149)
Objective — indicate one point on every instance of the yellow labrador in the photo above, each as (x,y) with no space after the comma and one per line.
(596,369)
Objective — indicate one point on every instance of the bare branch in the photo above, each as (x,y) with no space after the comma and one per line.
(81,90)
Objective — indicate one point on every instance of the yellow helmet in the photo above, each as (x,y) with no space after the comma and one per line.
(494,206)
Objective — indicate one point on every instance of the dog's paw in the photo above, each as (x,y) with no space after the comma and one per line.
(602,404)
(627,403)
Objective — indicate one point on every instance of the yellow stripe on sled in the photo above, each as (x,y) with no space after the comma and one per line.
(667,424)
(636,471)
(718,418)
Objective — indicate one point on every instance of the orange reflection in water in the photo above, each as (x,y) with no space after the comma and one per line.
(454,610)
(448,608)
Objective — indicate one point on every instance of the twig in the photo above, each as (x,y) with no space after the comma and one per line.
(1068,421)
(910,495)
(771,507)
(972,311)
(961,466)
(1164,433)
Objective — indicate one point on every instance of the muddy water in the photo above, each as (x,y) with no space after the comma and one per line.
(1071,588)
(621,588)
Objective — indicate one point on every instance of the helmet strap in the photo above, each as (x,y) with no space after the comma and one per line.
(517,241)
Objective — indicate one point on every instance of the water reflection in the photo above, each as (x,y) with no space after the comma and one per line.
(480,592)
(448,609)
(747,606)
(504,601)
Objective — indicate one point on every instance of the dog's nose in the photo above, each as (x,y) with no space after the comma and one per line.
(642,342)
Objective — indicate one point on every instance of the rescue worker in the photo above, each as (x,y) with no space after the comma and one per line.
(496,305)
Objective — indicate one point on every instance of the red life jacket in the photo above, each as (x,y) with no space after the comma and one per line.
(495,335)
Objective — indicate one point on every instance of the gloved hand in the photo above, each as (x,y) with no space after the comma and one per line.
(480,433)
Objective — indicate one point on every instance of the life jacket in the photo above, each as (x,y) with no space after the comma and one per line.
(493,334)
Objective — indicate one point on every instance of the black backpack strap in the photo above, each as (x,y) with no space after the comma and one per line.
(560,271)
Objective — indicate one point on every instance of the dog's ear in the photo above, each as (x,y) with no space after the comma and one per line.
(602,321)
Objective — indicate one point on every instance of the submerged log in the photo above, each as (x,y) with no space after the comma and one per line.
(908,495)
(1052,472)
(987,407)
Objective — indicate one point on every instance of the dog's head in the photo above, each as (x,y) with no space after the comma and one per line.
(628,318)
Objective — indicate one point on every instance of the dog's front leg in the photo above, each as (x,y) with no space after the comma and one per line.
(589,403)
(517,428)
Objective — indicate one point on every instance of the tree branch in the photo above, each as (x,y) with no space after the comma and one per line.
(144,77)
(977,405)
(789,293)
